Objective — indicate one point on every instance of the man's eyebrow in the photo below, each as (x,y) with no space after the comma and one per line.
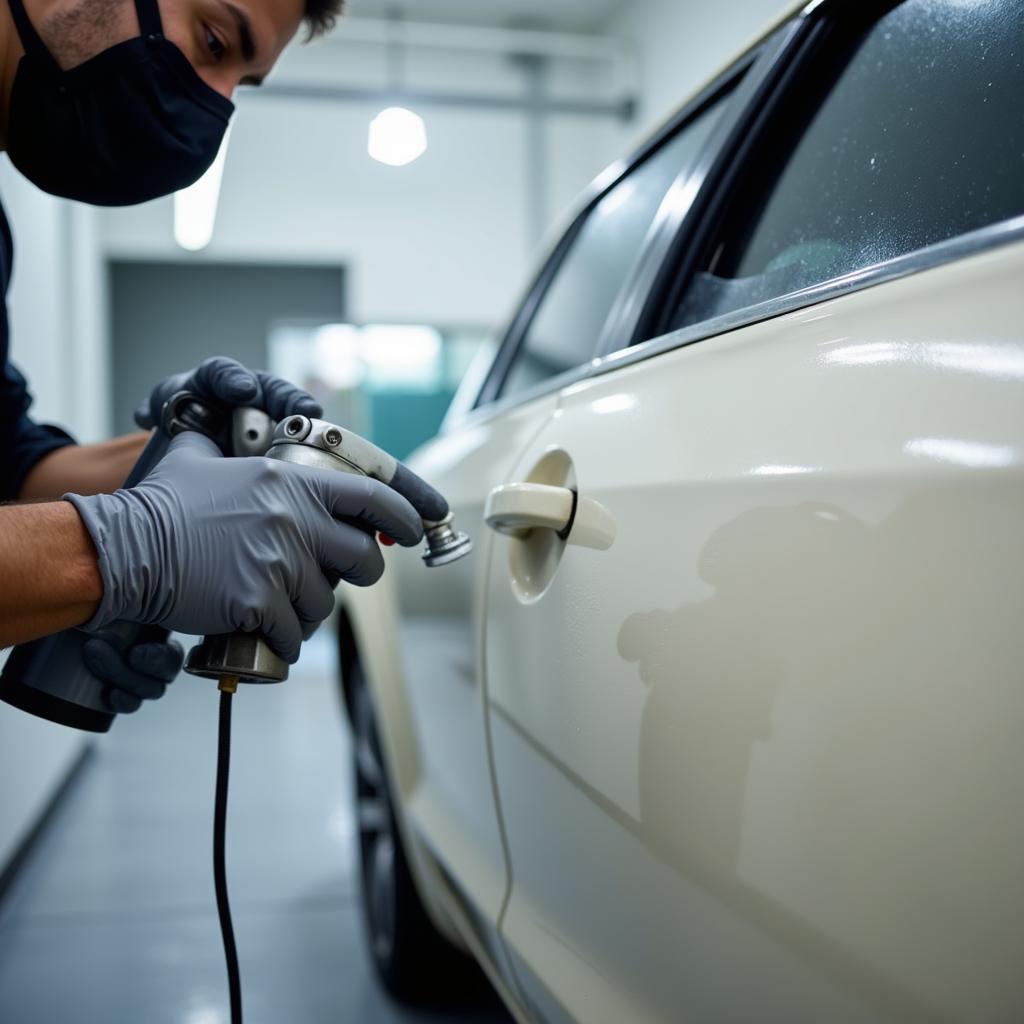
(246,39)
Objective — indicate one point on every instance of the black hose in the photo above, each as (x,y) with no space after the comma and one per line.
(220,878)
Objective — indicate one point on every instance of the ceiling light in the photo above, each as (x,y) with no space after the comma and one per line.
(397,137)
(195,207)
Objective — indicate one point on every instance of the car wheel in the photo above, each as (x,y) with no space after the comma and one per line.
(414,961)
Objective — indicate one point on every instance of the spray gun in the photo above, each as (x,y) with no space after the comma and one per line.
(245,657)
(48,677)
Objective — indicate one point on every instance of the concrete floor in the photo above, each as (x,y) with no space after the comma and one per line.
(113,920)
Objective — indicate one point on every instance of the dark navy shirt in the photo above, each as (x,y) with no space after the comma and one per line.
(22,441)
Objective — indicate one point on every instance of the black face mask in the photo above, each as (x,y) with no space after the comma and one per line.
(133,123)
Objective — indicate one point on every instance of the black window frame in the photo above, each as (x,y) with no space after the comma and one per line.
(515,335)
(691,233)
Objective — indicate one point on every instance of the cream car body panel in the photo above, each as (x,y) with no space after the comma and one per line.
(773,730)
(426,679)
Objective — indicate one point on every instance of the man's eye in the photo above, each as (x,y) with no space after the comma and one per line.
(214,45)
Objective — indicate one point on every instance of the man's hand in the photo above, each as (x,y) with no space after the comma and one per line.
(134,673)
(207,544)
(229,382)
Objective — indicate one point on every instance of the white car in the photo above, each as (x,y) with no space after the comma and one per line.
(723,719)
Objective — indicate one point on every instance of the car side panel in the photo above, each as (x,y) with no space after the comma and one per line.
(419,633)
(761,758)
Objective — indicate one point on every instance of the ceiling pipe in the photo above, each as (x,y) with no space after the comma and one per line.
(509,42)
(617,51)
(619,109)
(566,45)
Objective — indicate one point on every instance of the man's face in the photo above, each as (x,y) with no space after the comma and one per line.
(231,42)
(228,42)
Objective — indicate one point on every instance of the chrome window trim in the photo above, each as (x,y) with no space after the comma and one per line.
(485,413)
(746,67)
(952,249)
(939,254)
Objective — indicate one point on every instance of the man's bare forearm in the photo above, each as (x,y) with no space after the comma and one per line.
(51,579)
(83,469)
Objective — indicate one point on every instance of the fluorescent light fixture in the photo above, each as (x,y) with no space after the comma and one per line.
(195,207)
(397,137)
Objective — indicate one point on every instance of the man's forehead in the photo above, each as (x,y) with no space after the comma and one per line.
(267,26)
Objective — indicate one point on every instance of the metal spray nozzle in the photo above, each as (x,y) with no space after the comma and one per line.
(316,442)
(445,544)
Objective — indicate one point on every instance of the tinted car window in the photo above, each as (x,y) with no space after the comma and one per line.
(920,138)
(567,327)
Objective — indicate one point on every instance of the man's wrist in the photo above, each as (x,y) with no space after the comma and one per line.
(83,568)
(95,520)
(50,568)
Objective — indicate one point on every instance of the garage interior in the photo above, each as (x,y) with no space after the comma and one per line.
(375,214)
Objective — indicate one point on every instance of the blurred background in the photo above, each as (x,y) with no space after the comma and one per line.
(367,257)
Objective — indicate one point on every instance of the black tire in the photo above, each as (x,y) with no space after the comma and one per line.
(413,960)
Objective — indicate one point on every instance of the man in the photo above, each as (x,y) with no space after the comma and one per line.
(114,102)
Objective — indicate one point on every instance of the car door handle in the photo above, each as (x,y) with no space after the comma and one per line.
(516,509)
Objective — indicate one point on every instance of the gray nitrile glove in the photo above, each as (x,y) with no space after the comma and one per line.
(231,383)
(134,673)
(206,544)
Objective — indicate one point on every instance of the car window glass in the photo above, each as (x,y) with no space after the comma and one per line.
(567,327)
(920,139)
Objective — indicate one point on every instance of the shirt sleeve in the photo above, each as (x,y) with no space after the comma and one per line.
(23,442)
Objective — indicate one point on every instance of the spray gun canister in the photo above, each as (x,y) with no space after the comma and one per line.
(48,677)
(323,445)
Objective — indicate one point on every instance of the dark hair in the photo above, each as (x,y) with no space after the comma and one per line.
(321,15)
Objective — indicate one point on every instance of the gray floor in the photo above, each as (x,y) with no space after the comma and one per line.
(113,919)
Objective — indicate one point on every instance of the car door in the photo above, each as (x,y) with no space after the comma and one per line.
(752,649)
(452,804)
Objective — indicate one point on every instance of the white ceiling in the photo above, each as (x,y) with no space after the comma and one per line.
(558,15)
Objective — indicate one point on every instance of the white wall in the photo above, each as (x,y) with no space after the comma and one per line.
(57,307)
(57,339)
